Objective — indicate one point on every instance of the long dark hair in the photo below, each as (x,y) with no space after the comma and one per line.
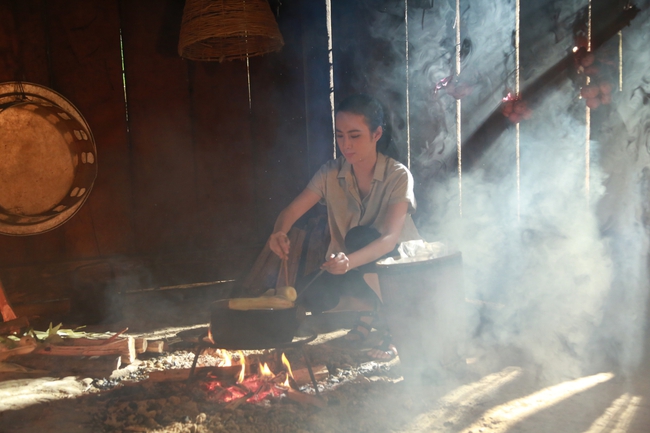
(373,111)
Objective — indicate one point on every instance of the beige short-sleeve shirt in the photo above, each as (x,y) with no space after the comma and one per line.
(336,185)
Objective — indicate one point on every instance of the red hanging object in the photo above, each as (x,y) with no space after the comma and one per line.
(515,109)
(599,90)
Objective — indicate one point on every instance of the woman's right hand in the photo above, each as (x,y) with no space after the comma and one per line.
(280,244)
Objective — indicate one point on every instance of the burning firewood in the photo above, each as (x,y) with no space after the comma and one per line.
(178,374)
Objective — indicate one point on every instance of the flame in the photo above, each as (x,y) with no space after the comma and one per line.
(265,371)
(210,336)
(252,388)
(285,362)
(242,360)
(227,359)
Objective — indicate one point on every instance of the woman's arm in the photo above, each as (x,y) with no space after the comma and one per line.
(390,232)
(278,241)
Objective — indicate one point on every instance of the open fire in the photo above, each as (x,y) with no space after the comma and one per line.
(252,384)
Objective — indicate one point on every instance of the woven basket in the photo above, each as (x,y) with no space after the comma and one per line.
(227,30)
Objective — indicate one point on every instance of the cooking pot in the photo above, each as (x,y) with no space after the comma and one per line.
(48,159)
(253,329)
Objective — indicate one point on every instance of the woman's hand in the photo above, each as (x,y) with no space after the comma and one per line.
(337,264)
(278,241)
(280,244)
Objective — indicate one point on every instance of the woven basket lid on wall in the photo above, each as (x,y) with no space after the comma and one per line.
(48,159)
(228,29)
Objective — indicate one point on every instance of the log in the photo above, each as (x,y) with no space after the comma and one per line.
(125,347)
(178,374)
(85,366)
(306,399)
(174,375)
(301,375)
(157,346)
(14,326)
(141,345)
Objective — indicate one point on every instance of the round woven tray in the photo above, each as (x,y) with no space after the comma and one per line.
(48,159)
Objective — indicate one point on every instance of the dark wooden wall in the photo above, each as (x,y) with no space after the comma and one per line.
(190,179)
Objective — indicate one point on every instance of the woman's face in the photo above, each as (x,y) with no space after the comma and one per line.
(354,138)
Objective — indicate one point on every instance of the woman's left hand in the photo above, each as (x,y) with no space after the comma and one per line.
(338,264)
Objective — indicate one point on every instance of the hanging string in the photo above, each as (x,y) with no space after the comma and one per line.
(588,120)
(330,56)
(458,115)
(620,60)
(517,142)
(408,113)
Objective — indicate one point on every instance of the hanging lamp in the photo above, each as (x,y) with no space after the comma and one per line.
(218,30)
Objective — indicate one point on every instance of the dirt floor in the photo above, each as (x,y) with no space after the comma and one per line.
(484,394)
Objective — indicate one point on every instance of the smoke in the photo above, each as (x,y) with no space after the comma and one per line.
(571,274)
(549,269)
(565,282)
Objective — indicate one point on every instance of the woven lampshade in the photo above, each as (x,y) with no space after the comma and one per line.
(227,30)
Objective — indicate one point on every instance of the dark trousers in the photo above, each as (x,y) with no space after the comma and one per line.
(326,291)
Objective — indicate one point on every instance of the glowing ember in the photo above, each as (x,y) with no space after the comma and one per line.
(252,388)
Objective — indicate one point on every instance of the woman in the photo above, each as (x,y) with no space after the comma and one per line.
(364,188)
